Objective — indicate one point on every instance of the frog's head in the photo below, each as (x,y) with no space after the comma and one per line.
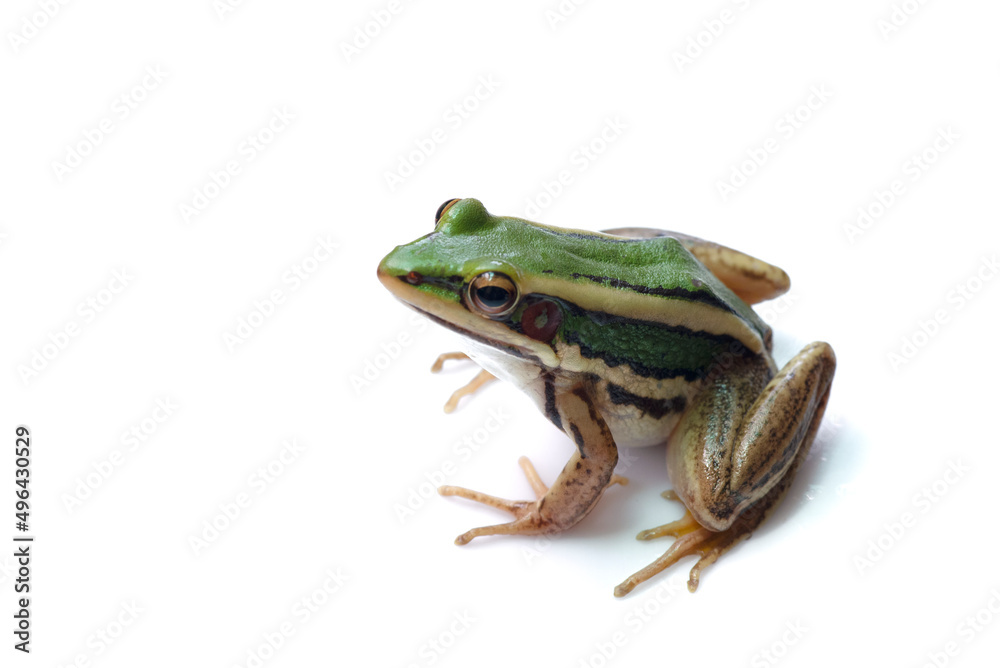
(522,288)
(455,275)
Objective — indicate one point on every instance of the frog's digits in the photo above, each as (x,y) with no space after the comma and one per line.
(628,338)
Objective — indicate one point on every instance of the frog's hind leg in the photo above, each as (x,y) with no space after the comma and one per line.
(751,279)
(731,474)
(473,386)
(694,539)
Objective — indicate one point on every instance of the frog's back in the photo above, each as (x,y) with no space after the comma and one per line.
(653,281)
(751,279)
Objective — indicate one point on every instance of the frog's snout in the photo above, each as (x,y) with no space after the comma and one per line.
(396,282)
(383,273)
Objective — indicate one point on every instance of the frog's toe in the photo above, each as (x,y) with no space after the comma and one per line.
(444,357)
(514,507)
(618,480)
(681,527)
(526,513)
(694,539)
(530,523)
(473,386)
(710,545)
(528,519)
(687,544)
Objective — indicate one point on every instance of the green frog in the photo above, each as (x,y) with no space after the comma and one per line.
(630,337)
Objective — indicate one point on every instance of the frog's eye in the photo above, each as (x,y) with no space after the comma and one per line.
(444,207)
(493,294)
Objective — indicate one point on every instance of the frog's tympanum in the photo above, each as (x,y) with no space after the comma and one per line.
(631,337)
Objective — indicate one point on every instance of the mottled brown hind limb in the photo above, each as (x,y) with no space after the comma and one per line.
(731,474)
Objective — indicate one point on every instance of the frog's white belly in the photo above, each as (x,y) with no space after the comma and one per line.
(631,429)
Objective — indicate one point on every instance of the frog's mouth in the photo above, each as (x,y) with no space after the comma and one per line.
(441,300)
(419,290)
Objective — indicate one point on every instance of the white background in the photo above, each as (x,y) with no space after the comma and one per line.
(892,428)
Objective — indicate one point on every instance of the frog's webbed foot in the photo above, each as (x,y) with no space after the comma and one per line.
(577,489)
(528,519)
(473,386)
(692,538)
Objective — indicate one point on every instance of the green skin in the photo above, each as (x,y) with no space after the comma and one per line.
(634,338)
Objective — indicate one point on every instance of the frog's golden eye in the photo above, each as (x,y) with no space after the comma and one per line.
(444,207)
(493,294)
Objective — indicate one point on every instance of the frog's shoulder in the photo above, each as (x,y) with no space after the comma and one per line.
(752,280)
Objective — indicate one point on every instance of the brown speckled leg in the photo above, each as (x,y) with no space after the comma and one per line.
(577,489)
(715,477)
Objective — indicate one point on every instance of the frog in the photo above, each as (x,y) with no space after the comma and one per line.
(628,337)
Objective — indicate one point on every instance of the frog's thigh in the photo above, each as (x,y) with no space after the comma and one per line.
(719,464)
(751,279)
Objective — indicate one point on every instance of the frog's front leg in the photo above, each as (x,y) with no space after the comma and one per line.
(577,489)
(735,453)
(473,386)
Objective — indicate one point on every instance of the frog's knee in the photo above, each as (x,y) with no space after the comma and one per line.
(820,353)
